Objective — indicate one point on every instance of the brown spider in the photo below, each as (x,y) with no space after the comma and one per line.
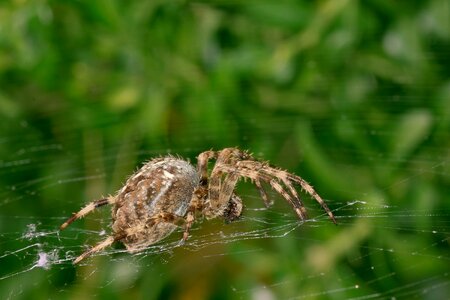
(167,192)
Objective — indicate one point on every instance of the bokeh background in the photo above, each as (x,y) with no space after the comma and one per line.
(354,96)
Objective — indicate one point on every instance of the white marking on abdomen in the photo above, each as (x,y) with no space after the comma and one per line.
(168,174)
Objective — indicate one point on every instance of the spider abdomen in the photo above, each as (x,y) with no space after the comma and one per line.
(162,186)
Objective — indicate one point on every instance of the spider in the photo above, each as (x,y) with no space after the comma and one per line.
(168,192)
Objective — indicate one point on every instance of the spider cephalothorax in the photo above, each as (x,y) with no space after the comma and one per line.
(168,192)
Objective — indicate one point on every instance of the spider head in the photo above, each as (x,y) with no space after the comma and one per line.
(234,209)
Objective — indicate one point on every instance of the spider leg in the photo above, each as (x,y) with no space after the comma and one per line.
(220,192)
(262,193)
(226,191)
(214,186)
(195,204)
(99,247)
(234,156)
(190,218)
(237,163)
(255,175)
(202,165)
(87,209)
(287,179)
(310,190)
(161,217)
(297,205)
(227,156)
(219,195)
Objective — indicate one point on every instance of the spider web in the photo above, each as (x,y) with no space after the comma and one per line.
(34,252)
(351,95)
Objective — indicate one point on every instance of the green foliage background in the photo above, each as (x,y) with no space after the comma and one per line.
(352,95)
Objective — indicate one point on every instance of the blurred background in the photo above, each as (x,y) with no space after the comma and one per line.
(354,96)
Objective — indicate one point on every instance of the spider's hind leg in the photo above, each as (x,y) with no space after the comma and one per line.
(159,218)
(87,209)
(97,248)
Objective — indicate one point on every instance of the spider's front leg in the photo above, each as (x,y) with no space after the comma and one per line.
(222,201)
(256,170)
(220,195)
(202,165)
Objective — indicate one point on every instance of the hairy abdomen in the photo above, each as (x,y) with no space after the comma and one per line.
(161,185)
